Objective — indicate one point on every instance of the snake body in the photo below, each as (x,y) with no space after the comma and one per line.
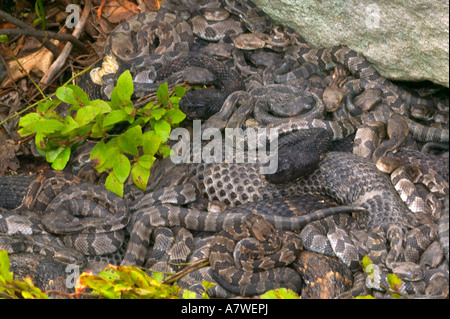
(286,247)
(346,178)
(169,216)
(60,201)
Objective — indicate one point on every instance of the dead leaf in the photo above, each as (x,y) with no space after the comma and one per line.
(116,12)
(37,63)
(8,159)
(7,25)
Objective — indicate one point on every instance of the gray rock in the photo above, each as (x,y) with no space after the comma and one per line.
(404,40)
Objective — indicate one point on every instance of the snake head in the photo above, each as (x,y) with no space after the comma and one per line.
(260,228)
(201,104)
(408,271)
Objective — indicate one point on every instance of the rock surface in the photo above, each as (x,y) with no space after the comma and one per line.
(404,40)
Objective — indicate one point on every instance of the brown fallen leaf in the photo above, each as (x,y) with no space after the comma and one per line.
(8,159)
(116,12)
(37,63)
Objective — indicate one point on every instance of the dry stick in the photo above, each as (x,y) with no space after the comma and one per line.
(44,35)
(47,98)
(61,60)
(192,267)
(28,74)
(48,45)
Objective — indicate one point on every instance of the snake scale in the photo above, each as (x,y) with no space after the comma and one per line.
(344,177)
(59,200)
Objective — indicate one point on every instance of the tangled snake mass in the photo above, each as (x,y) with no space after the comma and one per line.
(362,170)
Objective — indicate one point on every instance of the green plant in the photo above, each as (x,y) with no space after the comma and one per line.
(131,152)
(113,282)
(280,293)
(40,12)
(129,282)
(372,273)
(16,289)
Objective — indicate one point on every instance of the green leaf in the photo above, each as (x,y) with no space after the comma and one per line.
(163,93)
(39,141)
(366,262)
(61,160)
(80,96)
(187,294)
(140,176)
(121,168)
(114,117)
(150,105)
(140,278)
(131,140)
(113,184)
(48,126)
(87,114)
(158,113)
(4,266)
(112,152)
(365,297)
(29,119)
(280,293)
(101,105)
(99,156)
(164,150)
(124,88)
(40,12)
(151,142)
(158,277)
(394,281)
(162,129)
(51,155)
(175,101)
(28,123)
(128,108)
(97,131)
(100,285)
(141,120)
(174,116)
(146,161)
(30,291)
(69,125)
(45,105)
(72,94)
(179,91)
(110,274)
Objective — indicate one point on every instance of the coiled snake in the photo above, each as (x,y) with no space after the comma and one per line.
(344,177)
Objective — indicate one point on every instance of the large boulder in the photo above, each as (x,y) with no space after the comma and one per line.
(404,40)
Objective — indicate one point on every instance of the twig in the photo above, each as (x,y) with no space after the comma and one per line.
(27,74)
(47,44)
(61,60)
(48,97)
(100,9)
(192,267)
(44,35)
(71,294)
